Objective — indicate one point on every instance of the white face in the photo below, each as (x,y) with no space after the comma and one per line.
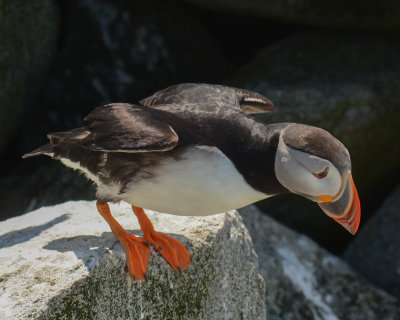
(305,174)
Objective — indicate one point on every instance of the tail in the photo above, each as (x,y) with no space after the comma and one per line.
(57,138)
(47,149)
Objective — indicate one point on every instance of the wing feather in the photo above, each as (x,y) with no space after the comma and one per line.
(121,127)
(239,99)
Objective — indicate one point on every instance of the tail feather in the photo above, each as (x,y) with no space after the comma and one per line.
(46,149)
(57,138)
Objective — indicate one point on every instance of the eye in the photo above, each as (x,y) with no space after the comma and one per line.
(322,174)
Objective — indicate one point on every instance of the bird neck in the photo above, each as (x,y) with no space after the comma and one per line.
(254,156)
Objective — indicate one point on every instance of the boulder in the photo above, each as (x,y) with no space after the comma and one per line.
(375,251)
(62,262)
(348,85)
(305,281)
(354,14)
(28,40)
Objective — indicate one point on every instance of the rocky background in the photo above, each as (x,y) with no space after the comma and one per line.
(334,64)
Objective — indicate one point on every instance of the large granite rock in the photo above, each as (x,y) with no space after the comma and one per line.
(355,14)
(348,85)
(304,281)
(28,38)
(62,262)
(375,253)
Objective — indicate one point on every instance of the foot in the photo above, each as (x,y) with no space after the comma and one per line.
(137,255)
(136,249)
(171,249)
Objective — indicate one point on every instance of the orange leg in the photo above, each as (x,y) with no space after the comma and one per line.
(137,251)
(171,249)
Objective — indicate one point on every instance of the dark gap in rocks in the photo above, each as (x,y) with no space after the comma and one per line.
(242,36)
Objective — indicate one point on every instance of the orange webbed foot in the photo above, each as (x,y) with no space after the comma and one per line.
(174,252)
(136,249)
(137,255)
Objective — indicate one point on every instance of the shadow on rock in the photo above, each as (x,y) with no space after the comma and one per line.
(89,248)
(23,235)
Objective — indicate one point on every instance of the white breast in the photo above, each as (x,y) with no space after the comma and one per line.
(202,182)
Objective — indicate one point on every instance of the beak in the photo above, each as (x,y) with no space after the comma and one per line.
(345,208)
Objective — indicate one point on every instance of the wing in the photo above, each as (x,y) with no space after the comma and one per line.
(238,99)
(121,127)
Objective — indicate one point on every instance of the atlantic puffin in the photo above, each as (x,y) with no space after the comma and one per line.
(194,150)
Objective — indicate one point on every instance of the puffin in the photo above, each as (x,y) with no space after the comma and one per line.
(195,149)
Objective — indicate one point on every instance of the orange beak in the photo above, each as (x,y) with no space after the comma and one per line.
(346,208)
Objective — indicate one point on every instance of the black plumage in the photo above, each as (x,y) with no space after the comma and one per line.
(229,97)
(137,138)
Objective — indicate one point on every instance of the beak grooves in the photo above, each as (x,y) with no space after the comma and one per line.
(347,209)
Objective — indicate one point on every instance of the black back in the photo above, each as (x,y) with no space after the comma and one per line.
(122,141)
(249,144)
(228,97)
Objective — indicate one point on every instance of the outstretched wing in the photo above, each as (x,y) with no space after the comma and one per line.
(121,127)
(238,99)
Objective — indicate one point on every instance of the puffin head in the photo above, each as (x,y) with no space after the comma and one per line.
(314,164)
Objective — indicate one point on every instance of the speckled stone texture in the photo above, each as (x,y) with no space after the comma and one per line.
(305,281)
(62,262)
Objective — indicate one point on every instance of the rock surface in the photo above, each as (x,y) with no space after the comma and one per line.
(348,85)
(62,262)
(375,252)
(28,38)
(355,14)
(304,281)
